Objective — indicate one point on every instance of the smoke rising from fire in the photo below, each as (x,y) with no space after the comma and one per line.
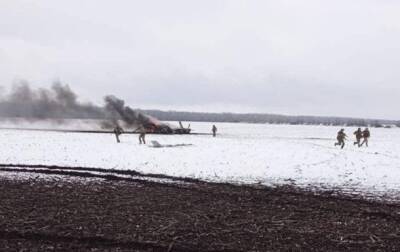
(116,108)
(59,101)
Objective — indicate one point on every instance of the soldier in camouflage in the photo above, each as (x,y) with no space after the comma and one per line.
(118,131)
(341,136)
(358,133)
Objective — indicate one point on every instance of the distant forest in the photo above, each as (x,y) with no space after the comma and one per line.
(59,101)
(268,118)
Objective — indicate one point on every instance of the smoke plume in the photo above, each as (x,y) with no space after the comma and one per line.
(60,102)
(116,108)
(57,102)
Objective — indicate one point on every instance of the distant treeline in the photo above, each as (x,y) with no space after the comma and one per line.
(59,101)
(268,118)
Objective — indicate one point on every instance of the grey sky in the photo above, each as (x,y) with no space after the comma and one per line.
(296,57)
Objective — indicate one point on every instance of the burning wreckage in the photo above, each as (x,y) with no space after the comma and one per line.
(117,110)
(153,125)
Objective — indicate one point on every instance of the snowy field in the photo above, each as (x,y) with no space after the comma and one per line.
(242,153)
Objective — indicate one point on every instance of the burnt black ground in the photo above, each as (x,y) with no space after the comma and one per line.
(112,215)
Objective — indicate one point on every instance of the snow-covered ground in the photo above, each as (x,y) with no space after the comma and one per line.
(242,153)
(53,124)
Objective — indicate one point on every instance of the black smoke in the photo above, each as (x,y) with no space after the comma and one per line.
(57,102)
(60,102)
(116,109)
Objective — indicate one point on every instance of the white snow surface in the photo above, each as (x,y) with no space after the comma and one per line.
(241,153)
(51,124)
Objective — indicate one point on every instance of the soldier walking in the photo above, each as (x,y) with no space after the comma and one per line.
(365,134)
(142,134)
(341,136)
(118,131)
(214,130)
(359,134)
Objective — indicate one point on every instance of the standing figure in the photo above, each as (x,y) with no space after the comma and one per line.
(214,130)
(365,134)
(341,136)
(118,131)
(359,134)
(142,134)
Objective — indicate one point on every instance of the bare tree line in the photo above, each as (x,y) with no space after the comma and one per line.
(268,118)
(60,102)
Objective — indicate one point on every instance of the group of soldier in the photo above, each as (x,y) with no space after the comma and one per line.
(359,134)
(141,129)
(142,133)
(341,136)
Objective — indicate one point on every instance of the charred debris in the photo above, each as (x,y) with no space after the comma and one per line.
(116,109)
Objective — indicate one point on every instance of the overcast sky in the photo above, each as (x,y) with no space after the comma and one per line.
(299,57)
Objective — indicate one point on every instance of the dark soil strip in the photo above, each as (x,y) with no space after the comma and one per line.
(106,177)
(102,170)
(98,242)
(112,175)
(118,215)
(91,241)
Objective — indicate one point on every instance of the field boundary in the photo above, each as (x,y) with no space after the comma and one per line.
(184,183)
